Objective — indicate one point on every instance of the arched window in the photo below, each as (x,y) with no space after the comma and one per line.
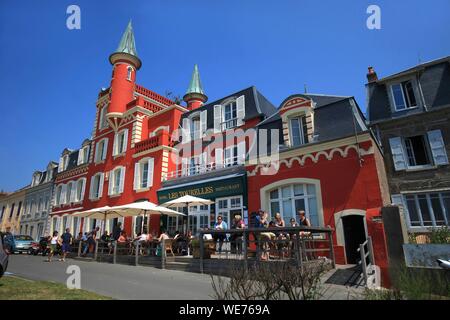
(289,199)
(58,194)
(129,73)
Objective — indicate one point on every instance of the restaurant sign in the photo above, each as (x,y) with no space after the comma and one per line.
(207,190)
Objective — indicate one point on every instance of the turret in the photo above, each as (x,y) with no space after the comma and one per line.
(195,96)
(125,63)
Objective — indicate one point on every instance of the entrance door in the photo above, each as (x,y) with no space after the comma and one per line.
(354,235)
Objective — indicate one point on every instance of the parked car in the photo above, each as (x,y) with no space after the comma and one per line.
(4,252)
(22,243)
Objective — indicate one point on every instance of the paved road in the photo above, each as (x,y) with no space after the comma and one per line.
(117,281)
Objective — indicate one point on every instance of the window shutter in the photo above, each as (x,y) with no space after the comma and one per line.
(203,162)
(110,182)
(397,153)
(240,105)
(203,120)
(91,188)
(82,189)
(151,163)
(115,144)
(100,188)
(105,149)
(68,221)
(218,158)
(184,166)
(217,118)
(125,140)
(58,224)
(73,192)
(137,176)
(80,157)
(437,147)
(122,179)
(60,165)
(397,199)
(97,156)
(241,152)
(62,199)
(186,132)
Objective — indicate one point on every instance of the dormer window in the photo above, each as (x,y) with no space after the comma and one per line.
(195,128)
(129,73)
(299,131)
(49,175)
(63,162)
(230,115)
(83,155)
(36,179)
(403,95)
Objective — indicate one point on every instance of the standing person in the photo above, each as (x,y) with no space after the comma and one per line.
(66,242)
(279,222)
(8,240)
(304,222)
(117,231)
(54,241)
(220,225)
(236,238)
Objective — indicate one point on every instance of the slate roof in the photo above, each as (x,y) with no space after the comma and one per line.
(434,78)
(333,118)
(256,105)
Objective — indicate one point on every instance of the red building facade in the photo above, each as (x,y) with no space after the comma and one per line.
(321,158)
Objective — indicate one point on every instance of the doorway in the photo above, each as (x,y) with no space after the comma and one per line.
(354,235)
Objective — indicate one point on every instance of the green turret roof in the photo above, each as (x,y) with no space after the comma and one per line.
(127,44)
(195,86)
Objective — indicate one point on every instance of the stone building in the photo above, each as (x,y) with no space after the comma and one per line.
(409,113)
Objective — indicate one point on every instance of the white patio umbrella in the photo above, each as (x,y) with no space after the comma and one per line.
(144,207)
(102,213)
(187,200)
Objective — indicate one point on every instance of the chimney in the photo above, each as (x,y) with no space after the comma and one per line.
(372,75)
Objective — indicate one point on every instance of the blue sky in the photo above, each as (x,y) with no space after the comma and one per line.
(50,75)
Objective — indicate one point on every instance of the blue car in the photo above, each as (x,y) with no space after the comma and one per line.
(22,243)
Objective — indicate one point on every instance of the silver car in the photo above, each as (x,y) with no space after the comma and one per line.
(3,257)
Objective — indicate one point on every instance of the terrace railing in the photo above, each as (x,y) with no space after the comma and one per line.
(255,245)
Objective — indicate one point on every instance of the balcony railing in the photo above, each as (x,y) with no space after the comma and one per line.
(162,139)
(201,168)
(153,95)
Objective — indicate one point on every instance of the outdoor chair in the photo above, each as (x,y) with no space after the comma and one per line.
(168,246)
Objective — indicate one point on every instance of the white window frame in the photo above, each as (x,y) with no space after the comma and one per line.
(120,150)
(404,96)
(138,174)
(232,120)
(114,187)
(299,119)
(226,212)
(422,226)
(292,197)
(99,193)
(104,143)
(427,150)
(129,73)
(79,197)
(83,155)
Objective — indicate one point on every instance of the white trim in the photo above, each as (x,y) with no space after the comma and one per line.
(265,198)
(338,225)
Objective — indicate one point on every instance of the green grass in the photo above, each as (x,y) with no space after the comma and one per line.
(14,288)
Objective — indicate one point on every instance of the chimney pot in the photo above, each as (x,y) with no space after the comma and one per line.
(371,75)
